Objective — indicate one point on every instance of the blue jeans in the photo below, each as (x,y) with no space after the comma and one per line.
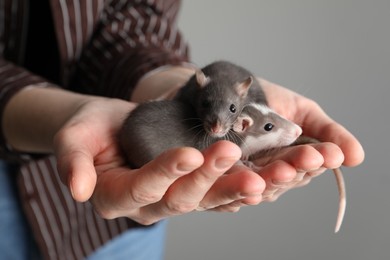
(17,243)
(15,236)
(136,244)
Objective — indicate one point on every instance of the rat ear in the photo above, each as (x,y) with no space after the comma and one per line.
(201,78)
(243,87)
(242,124)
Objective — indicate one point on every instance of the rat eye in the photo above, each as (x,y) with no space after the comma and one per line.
(233,108)
(268,127)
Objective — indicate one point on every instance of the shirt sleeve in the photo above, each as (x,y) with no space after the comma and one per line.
(131,40)
(12,79)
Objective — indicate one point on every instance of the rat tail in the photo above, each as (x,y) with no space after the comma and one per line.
(342,198)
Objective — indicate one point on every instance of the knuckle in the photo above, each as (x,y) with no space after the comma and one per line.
(67,133)
(232,209)
(272,198)
(177,208)
(102,210)
(252,201)
(60,136)
(145,221)
(143,197)
(304,182)
(312,105)
(226,208)
(105,214)
(162,169)
(306,150)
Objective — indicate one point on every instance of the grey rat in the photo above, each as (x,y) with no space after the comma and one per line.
(202,112)
(218,92)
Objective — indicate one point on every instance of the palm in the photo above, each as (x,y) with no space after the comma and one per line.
(295,166)
(313,120)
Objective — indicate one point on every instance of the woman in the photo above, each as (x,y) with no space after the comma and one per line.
(115,52)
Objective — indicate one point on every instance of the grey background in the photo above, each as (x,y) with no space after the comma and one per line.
(338,53)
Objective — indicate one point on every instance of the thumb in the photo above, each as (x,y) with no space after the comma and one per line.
(77,171)
(75,165)
(81,175)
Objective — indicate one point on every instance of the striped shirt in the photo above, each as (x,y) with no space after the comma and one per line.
(101,46)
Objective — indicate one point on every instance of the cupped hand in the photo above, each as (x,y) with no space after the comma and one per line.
(295,166)
(180,180)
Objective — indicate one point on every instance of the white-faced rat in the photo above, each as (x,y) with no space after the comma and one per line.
(260,128)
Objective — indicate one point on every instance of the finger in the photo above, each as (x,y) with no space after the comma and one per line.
(226,208)
(317,172)
(316,123)
(301,179)
(306,180)
(78,173)
(186,193)
(236,205)
(218,159)
(308,158)
(277,174)
(304,158)
(152,181)
(290,170)
(239,184)
(131,190)
(75,164)
(285,166)
(275,194)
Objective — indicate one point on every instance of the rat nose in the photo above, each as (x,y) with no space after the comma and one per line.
(298,131)
(216,128)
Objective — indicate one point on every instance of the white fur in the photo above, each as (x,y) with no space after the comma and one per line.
(265,110)
(255,143)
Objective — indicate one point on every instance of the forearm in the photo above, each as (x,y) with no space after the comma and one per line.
(161,83)
(33,116)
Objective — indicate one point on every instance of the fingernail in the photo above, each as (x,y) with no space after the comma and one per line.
(320,169)
(199,208)
(310,170)
(244,195)
(317,172)
(225,163)
(280,184)
(269,193)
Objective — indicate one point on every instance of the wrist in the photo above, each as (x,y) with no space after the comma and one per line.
(33,116)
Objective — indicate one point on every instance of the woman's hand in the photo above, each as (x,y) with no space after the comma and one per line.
(296,166)
(179,181)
